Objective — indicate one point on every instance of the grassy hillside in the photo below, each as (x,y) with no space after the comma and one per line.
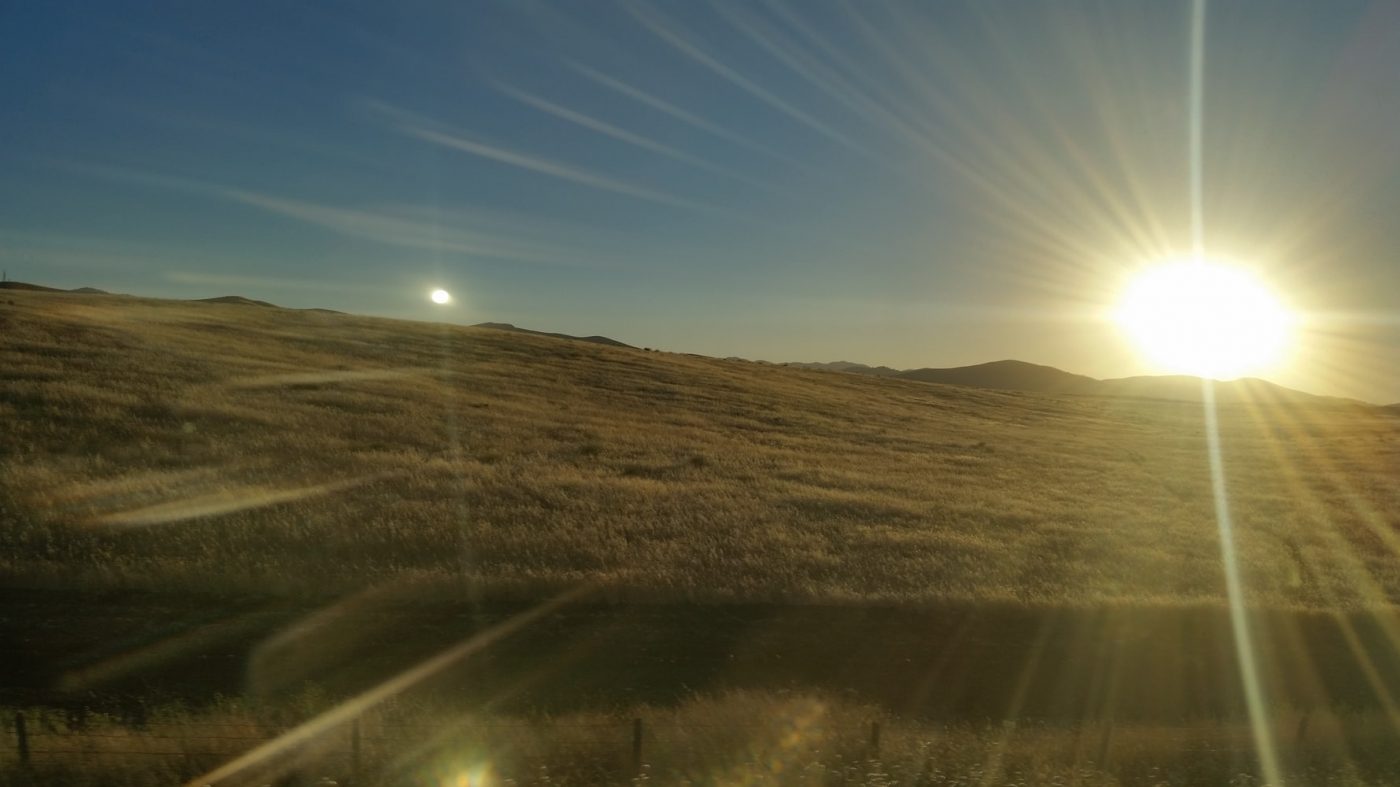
(226,447)
(1008,375)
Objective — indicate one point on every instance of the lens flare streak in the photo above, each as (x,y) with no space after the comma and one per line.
(1259,722)
(350,709)
(227,501)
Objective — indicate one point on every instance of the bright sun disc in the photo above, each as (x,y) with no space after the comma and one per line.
(1205,319)
(441,296)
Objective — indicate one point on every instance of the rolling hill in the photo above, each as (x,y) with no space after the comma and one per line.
(237,300)
(505,326)
(182,447)
(19,285)
(847,366)
(1007,375)
(1013,375)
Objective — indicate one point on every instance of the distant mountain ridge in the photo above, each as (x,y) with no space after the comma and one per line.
(505,326)
(1006,375)
(19,285)
(1187,388)
(1011,375)
(238,300)
(848,366)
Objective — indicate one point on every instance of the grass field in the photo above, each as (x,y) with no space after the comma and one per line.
(226,448)
(739,738)
(1027,590)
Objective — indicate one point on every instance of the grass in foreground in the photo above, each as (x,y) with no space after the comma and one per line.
(737,738)
(220,448)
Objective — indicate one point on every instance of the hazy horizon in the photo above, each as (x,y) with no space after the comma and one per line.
(909,186)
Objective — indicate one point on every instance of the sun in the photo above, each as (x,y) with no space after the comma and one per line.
(440,296)
(1203,318)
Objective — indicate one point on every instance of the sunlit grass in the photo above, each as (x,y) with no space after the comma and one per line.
(228,448)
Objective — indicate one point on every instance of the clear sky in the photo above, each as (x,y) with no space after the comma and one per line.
(920,184)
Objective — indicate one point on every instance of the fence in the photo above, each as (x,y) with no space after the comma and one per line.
(371,751)
(792,744)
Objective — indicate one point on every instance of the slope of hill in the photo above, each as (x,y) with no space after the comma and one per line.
(185,446)
(1007,375)
(847,366)
(19,285)
(1013,375)
(1183,388)
(505,326)
(237,300)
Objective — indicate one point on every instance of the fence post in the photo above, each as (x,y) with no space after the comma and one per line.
(874,740)
(1105,744)
(22,737)
(355,752)
(637,745)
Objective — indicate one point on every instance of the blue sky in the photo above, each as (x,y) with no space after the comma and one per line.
(920,184)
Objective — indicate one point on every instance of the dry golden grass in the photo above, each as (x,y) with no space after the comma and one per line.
(229,448)
(737,738)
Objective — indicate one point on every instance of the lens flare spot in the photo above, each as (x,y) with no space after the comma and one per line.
(476,776)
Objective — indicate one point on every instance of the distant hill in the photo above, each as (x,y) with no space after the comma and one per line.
(19,285)
(233,299)
(1188,389)
(1006,375)
(1013,375)
(848,366)
(505,326)
(238,300)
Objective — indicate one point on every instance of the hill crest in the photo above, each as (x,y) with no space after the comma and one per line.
(1014,375)
(1006,375)
(26,286)
(505,326)
(237,300)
